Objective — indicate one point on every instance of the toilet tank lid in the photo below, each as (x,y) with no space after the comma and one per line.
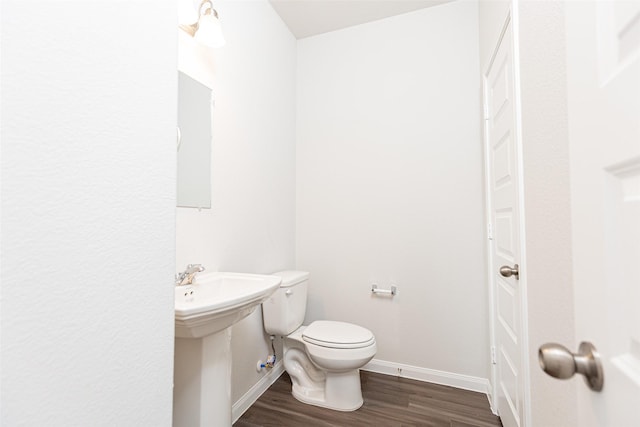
(291,277)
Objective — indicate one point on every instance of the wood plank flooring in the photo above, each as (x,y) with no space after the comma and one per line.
(388,401)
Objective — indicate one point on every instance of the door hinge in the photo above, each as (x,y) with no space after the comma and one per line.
(493,355)
(489,231)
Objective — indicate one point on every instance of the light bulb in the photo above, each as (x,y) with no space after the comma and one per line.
(209,31)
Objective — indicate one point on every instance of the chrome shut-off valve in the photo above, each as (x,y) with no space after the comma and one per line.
(559,362)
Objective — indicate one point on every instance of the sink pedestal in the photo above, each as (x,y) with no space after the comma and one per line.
(204,313)
(202,381)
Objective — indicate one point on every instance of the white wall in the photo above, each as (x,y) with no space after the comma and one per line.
(251,226)
(389,185)
(547,203)
(88,196)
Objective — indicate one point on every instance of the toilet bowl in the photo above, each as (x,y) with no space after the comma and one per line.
(322,359)
(327,376)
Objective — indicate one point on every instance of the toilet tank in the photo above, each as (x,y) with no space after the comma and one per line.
(284,312)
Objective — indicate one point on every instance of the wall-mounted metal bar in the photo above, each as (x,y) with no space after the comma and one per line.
(375,290)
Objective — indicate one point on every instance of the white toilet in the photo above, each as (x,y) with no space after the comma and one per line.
(322,359)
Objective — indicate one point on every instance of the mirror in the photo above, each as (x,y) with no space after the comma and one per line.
(195,107)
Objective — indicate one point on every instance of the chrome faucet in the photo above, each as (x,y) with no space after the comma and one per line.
(186,277)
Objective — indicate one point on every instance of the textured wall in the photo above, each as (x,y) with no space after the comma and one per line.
(547,203)
(88,209)
(389,185)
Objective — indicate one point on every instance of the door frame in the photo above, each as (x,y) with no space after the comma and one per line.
(511,24)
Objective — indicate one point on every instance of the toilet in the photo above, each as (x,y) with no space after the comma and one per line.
(324,358)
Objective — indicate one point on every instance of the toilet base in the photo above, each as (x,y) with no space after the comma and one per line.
(338,388)
(341,392)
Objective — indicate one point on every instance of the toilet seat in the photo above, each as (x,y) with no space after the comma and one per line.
(333,334)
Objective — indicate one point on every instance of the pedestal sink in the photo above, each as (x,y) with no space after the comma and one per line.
(204,312)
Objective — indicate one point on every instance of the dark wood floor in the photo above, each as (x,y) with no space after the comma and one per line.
(388,401)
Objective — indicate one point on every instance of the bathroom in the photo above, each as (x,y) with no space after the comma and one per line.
(360,169)
(348,202)
(336,173)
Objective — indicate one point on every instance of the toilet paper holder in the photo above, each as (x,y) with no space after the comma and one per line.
(375,290)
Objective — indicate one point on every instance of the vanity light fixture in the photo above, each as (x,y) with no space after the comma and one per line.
(207,29)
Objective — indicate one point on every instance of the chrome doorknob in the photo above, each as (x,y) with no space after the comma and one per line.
(559,362)
(507,271)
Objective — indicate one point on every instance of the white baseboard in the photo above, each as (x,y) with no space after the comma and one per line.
(465,382)
(256,391)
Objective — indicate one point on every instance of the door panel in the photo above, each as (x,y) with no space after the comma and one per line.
(502,184)
(603,64)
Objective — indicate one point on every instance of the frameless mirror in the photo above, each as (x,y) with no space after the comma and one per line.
(195,106)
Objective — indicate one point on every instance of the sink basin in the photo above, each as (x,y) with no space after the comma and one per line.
(216,301)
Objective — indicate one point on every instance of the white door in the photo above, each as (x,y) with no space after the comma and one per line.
(504,249)
(603,60)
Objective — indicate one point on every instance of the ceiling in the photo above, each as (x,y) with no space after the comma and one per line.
(310,17)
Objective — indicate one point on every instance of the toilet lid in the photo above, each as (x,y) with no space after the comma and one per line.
(327,333)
